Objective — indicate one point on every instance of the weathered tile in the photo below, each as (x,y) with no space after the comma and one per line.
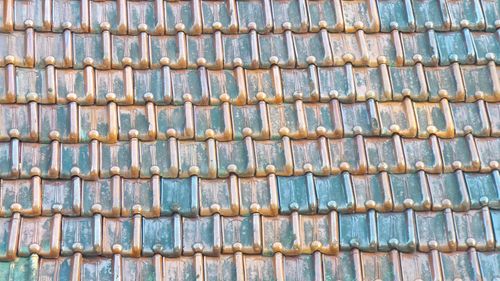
(480,83)
(466,10)
(8,235)
(22,196)
(55,269)
(279,235)
(96,268)
(364,11)
(293,12)
(253,117)
(152,85)
(183,268)
(488,152)
(136,118)
(372,83)
(483,189)
(254,11)
(243,230)
(486,43)
(179,196)
(139,269)
(319,233)
(344,266)
(18,118)
(118,159)
(162,236)
(102,196)
(84,47)
(34,84)
(297,194)
(30,10)
(396,231)
(175,121)
(456,47)
(55,118)
(435,230)
(434,118)
(40,235)
(347,154)
(197,158)
(78,160)
(335,193)
(449,191)
(9,156)
(235,154)
(337,82)
(474,227)
(313,48)
(159,157)
(113,85)
(491,13)
(145,12)
(422,154)
(432,11)
(488,262)
(265,85)
(20,269)
(81,234)
(61,196)
(15,46)
(380,266)
(311,156)
(70,11)
(106,11)
(186,13)
(358,231)
(445,82)
(51,45)
(221,268)
(37,159)
(219,196)
(327,11)
(276,49)
(201,233)
(213,122)
(190,85)
(273,157)
(123,234)
(494,116)
(460,153)
(259,267)
(360,118)
(204,47)
(100,121)
(258,195)
(382,47)
(420,45)
(385,154)
(229,82)
(300,82)
(372,192)
(495,218)
(398,12)
(223,12)
(75,82)
(461,265)
(397,118)
(410,191)
(409,82)
(346,47)
(321,119)
(140,196)
(303,267)
(169,51)
(418,265)
(238,48)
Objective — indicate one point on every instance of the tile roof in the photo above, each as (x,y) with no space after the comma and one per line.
(250,140)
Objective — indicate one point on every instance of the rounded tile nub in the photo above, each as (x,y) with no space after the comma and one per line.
(117,249)
(197,248)
(194,171)
(142,27)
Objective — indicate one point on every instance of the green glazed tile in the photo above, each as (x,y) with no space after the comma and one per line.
(103,12)
(90,114)
(239,230)
(202,231)
(297,194)
(195,154)
(272,153)
(138,193)
(485,43)
(16,191)
(273,45)
(324,10)
(161,235)
(20,269)
(259,268)
(142,12)
(217,11)
(189,82)
(484,189)
(420,44)
(283,115)
(15,117)
(449,187)
(83,230)
(311,44)
(299,81)
(489,262)
(211,117)
(431,226)
(28,10)
(471,224)
(420,150)
(75,155)
(491,10)
(235,153)
(318,228)
(369,79)
(468,10)
(371,188)
(35,156)
(382,150)
(118,231)
(495,218)
(221,268)
(134,118)
(319,115)
(179,196)
(171,117)
(37,230)
(252,11)
(112,155)
(61,193)
(216,192)
(290,11)
(32,81)
(478,79)
(278,230)
(335,192)
(335,79)
(110,81)
(151,81)
(178,12)
(406,187)
(307,152)
(340,267)
(54,118)
(258,191)
(473,115)
(261,80)
(84,47)
(454,43)
(458,265)
(300,268)
(396,11)
(165,46)
(202,46)
(344,150)
(6,155)
(237,46)
(431,11)
(442,78)
(140,268)
(5,234)
(396,231)
(97,192)
(406,78)
(70,11)
(457,149)
(362,115)
(225,82)
(379,266)
(97,269)
(358,231)
(157,153)
(182,268)
(71,81)
(248,116)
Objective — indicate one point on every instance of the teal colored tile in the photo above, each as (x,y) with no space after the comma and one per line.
(335,193)
(455,44)
(396,231)
(489,262)
(196,154)
(76,155)
(495,218)
(38,231)
(486,42)
(310,154)
(152,81)
(61,193)
(258,191)
(300,81)
(442,78)
(241,230)
(458,149)
(432,227)
(20,269)
(417,265)
(192,82)
(118,231)
(212,118)
(405,81)
(54,118)
(182,268)
(410,191)
(204,231)
(301,268)
(103,12)
(29,81)
(97,269)
(324,10)
(275,45)
(161,235)
(115,155)
(72,81)
(468,10)
(237,47)
(422,44)
(17,192)
(396,11)
(292,11)
(85,231)
(84,47)
(6,154)
(263,80)
(202,46)
(167,47)
(278,231)
(259,267)
(372,192)
(142,12)
(336,79)
(253,11)
(98,193)
(273,153)
(139,193)
(369,80)
(179,196)
(55,269)
(431,11)
(459,265)
(320,115)
(135,118)
(238,153)
(478,82)
(161,154)
(421,150)
(34,155)
(346,150)
(173,117)
(5,235)
(221,268)
(360,115)
(218,11)
(340,267)
(93,118)
(311,44)
(297,194)
(21,122)
(180,12)
(491,10)
(383,151)
(484,189)
(358,231)
(140,268)
(249,116)
(449,187)
(217,196)
(111,81)
(472,224)
(226,82)
(71,12)
(473,115)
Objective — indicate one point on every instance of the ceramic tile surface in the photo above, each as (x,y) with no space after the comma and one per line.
(250,140)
